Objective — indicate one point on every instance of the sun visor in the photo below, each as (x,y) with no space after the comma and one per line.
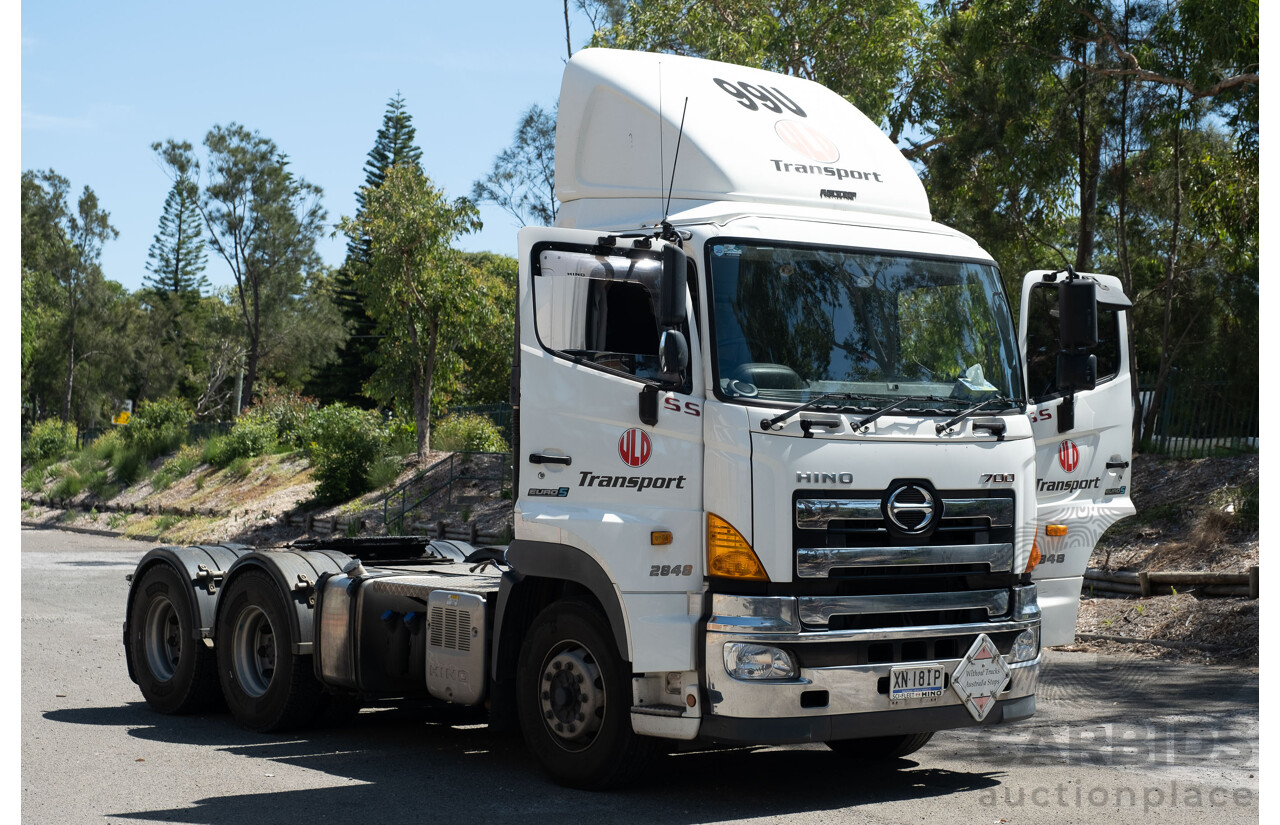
(749,135)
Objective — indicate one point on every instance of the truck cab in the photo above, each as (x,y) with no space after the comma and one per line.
(826,521)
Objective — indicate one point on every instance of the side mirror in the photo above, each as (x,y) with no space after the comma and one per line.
(671,294)
(1077,314)
(673,355)
(1077,372)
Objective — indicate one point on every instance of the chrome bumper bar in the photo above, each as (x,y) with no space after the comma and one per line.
(832,691)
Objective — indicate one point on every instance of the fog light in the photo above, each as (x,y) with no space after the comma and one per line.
(1027,646)
(743,660)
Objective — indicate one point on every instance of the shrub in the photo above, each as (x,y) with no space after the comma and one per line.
(251,436)
(69,486)
(287,412)
(158,427)
(33,478)
(107,445)
(50,440)
(402,436)
(180,466)
(468,433)
(383,472)
(128,463)
(239,468)
(345,444)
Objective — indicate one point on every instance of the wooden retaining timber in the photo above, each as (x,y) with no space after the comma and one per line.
(1165,582)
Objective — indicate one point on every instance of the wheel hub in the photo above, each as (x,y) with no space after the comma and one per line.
(162,639)
(254,651)
(572,695)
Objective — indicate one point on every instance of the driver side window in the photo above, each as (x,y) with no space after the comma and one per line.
(1043,345)
(600,310)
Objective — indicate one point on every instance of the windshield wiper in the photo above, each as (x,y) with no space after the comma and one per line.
(859,425)
(769,423)
(965,413)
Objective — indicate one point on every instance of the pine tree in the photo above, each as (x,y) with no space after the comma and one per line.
(177,256)
(344,380)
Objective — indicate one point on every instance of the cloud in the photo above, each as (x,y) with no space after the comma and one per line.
(97,115)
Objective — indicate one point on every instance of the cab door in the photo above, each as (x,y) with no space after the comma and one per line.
(1084,444)
(596,479)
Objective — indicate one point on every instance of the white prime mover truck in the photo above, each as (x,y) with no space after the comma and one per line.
(785,469)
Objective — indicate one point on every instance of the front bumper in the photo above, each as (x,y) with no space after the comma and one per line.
(838,693)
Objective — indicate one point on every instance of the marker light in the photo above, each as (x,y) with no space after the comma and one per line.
(728,554)
(1055,529)
(1035,556)
(659,538)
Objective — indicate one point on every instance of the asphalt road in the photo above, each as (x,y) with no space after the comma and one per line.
(1114,740)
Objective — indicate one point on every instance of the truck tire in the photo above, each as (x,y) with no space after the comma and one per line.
(881,748)
(266,686)
(573,694)
(176,672)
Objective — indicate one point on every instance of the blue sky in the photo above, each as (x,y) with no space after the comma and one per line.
(100,82)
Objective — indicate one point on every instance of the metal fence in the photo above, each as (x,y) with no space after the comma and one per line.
(440,478)
(1199,416)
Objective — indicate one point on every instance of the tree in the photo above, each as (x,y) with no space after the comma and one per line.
(345,378)
(68,246)
(415,286)
(263,221)
(523,177)
(177,256)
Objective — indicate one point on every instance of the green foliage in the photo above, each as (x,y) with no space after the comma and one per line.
(128,463)
(286,412)
(263,221)
(68,486)
(402,436)
(347,443)
(50,440)
(383,472)
(158,427)
(469,433)
(416,287)
(33,478)
(523,177)
(250,436)
(240,467)
(105,446)
(177,256)
(180,466)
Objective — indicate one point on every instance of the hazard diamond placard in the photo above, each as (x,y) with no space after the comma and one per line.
(980,677)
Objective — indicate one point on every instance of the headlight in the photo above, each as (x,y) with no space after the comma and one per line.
(1026,646)
(743,660)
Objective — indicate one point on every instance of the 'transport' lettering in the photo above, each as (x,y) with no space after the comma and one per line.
(637,483)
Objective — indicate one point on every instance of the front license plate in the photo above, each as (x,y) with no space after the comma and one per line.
(916,685)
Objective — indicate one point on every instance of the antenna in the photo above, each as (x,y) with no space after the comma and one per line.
(679,137)
(662,158)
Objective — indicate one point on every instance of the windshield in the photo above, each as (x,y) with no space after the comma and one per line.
(792,322)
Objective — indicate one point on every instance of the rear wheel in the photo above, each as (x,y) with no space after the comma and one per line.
(573,691)
(881,748)
(176,671)
(266,685)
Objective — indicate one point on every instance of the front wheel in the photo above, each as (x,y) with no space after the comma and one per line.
(881,748)
(573,692)
(266,685)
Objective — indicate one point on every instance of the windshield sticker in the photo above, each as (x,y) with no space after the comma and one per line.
(732,250)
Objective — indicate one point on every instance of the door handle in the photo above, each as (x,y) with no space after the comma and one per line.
(543,458)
